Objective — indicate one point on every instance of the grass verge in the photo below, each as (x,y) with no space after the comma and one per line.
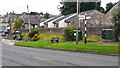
(71,46)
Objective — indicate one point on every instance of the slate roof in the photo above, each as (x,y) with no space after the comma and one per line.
(64,17)
(50,19)
(34,20)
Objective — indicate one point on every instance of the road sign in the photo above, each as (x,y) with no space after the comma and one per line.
(81,17)
(81,0)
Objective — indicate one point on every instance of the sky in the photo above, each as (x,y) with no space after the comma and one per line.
(50,6)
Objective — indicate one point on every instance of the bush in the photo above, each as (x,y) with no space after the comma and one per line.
(68,33)
(33,32)
(94,38)
(48,36)
(25,36)
(35,37)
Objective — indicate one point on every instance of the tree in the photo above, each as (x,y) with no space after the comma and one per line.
(46,15)
(109,6)
(34,13)
(116,22)
(18,23)
(70,7)
(41,13)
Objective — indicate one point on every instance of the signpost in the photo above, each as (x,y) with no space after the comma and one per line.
(79,1)
(85,17)
(81,17)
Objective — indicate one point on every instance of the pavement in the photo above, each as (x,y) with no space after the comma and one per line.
(8,42)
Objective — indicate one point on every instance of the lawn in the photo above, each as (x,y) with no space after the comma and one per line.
(71,46)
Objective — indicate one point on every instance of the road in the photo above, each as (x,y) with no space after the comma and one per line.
(24,56)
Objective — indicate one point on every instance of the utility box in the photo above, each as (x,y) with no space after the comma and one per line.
(79,35)
(109,34)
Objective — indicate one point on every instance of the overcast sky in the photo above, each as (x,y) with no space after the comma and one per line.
(19,6)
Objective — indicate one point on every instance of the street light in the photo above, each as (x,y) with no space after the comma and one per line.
(77,21)
(28,17)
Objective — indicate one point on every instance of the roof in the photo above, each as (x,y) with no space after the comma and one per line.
(70,18)
(109,14)
(50,19)
(61,18)
(34,20)
(90,13)
(57,19)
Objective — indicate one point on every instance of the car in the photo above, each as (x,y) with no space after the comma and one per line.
(3,34)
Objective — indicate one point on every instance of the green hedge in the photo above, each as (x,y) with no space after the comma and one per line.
(68,33)
(33,32)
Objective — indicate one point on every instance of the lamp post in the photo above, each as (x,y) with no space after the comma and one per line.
(77,21)
(28,18)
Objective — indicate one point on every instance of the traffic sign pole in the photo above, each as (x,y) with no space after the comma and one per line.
(85,35)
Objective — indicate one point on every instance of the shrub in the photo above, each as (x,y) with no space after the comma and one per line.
(48,36)
(68,33)
(25,36)
(35,37)
(33,32)
(94,38)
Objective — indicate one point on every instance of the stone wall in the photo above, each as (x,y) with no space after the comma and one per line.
(90,30)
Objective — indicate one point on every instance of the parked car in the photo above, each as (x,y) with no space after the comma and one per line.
(3,33)
(17,35)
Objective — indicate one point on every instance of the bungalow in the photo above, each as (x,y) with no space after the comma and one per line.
(61,21)
(45,23)
(34,21)
(49,22)
(97,19)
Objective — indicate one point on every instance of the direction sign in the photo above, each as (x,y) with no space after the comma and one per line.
(81,0)
(81,17)
(84,18)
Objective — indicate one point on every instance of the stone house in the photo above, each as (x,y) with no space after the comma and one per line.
(110,14)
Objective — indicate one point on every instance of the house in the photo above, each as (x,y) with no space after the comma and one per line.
(61,21)
(110,14)
(11,18)
(97,19)
(33,20)
(49,22)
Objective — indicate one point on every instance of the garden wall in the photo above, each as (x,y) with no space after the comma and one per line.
(90,30)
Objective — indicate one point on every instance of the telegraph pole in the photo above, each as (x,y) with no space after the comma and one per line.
(77,21)
(28,18)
